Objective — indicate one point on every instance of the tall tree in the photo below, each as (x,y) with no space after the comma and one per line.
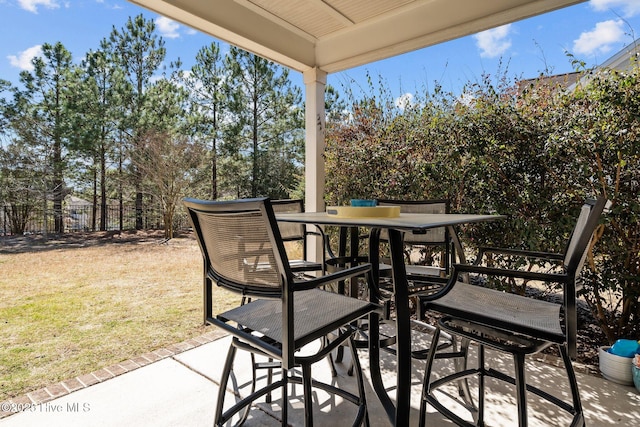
(267,119)
(206,83)
(44,119)
(167,158)
(97,103)
(139,51)
(5,87)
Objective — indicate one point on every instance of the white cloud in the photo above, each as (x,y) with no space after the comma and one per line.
(23,60)
(629,7)
(600,39)
(494,42)
(32,5)
(167,27)
(405,101)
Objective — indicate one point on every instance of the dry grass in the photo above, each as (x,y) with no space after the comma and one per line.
(66,311)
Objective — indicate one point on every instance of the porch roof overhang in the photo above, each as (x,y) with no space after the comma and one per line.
(334,35)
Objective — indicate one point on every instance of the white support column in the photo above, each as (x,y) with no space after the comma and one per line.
(315,81)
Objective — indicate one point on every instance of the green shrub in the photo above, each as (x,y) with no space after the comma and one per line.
(533,154)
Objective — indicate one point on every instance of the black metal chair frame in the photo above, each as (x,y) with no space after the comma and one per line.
(512,323)
(292,232)
(284,315)
(442,237)
(430,279)
(420,279)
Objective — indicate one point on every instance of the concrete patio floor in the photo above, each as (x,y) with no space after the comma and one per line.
(181,390)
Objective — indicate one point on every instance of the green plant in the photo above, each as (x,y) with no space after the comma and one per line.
(533,154)
(604,129)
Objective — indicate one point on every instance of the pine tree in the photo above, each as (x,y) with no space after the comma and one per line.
(267,132)
(206,84)
(43,107)
(139,51)
(96,122)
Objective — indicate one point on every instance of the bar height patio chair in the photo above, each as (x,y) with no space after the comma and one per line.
(512,323)
(422,279)
(442,240)
(243,252)
(427,278)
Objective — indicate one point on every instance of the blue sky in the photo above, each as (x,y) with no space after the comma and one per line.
(591,31)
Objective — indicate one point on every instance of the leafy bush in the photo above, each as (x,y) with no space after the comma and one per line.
(604,128)
(532,154)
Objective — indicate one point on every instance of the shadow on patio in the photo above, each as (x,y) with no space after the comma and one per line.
(181,389)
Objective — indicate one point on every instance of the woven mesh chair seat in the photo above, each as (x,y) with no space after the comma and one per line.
(304,265)
(412,270)
(510,312)
(314,311)
(294,232)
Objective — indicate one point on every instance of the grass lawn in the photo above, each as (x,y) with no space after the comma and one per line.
(67,310)
(74,304)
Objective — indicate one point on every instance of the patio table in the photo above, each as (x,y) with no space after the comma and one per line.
(399,413)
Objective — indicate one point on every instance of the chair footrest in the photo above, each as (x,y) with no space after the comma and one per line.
(491,337)
(268,365)
(519,346)
(384,343)
(492,373)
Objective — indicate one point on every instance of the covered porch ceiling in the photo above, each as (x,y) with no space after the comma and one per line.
(334,35)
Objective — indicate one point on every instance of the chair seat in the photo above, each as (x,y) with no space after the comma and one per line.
(315,311)
(304,265)
(413,270)
(296,265)
(509,312)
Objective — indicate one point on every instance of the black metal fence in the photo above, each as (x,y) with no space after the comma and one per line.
(83,218)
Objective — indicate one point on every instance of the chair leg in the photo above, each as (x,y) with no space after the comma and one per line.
(460,364)
(355,366)
(521,389)
(306,391)
(332,365)
(285,397)
(481,378)
(573,384)
(226,372)
(224,383)
(426,389)
(269,379)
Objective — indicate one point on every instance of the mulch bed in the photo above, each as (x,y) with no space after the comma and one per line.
(44,242)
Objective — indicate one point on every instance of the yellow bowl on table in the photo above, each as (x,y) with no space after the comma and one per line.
(364,211)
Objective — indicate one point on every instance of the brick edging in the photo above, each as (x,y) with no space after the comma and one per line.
(68,386)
